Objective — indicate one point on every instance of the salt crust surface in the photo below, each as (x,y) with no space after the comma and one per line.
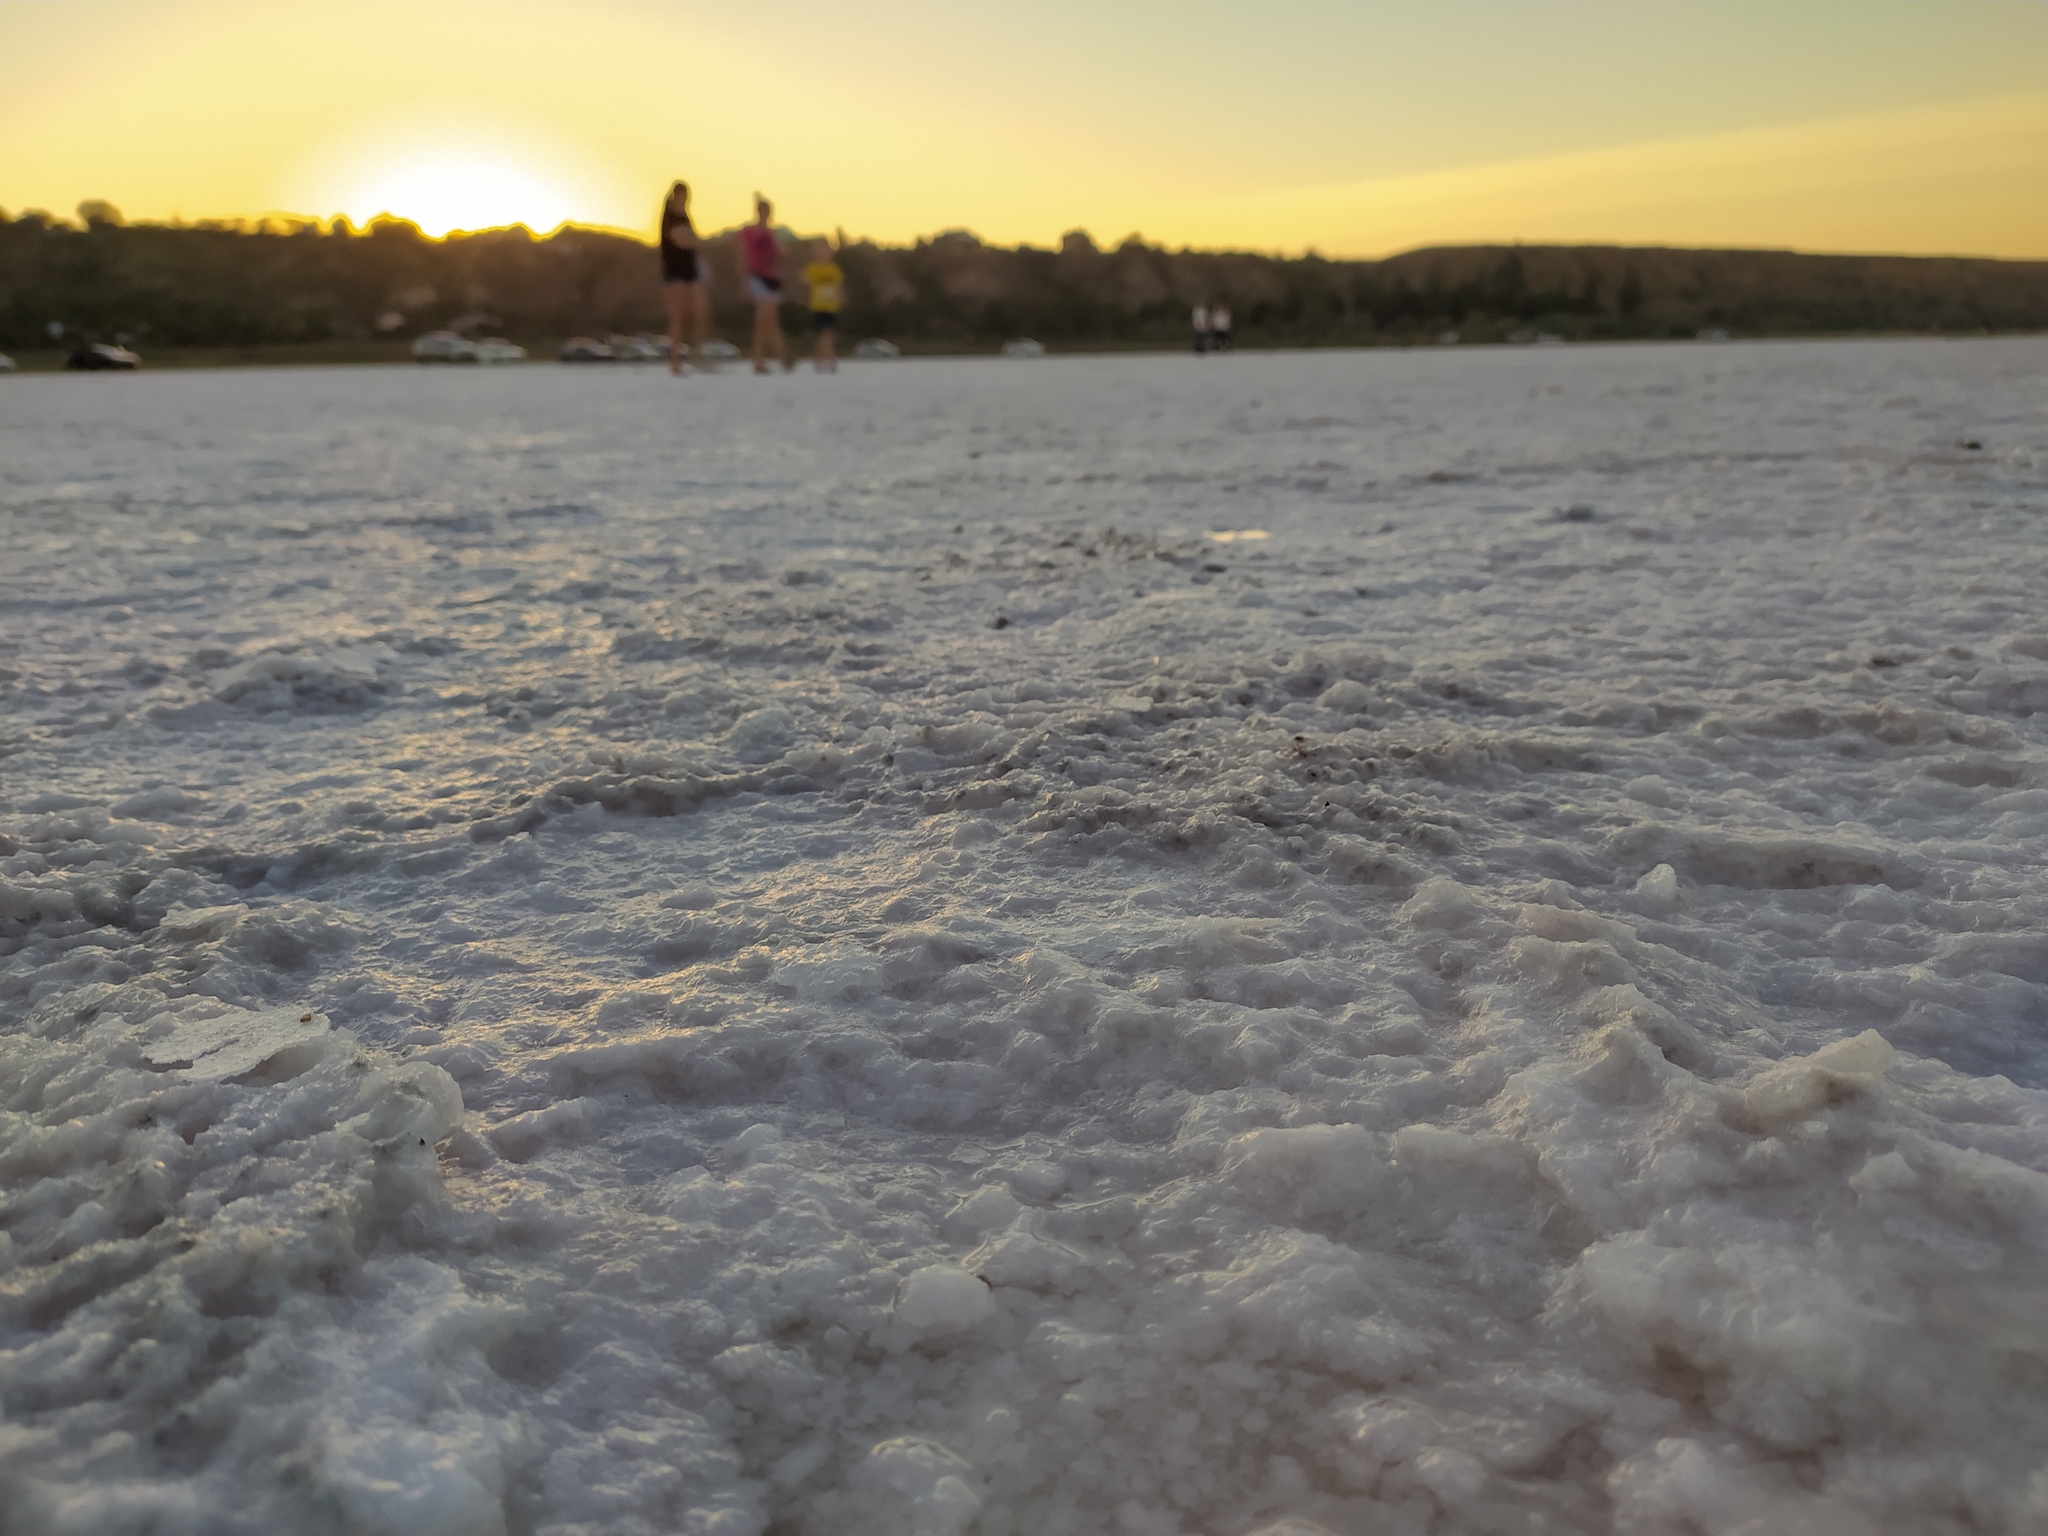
(870,972)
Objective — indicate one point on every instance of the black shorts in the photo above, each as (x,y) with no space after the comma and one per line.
(678,266)
(824,319)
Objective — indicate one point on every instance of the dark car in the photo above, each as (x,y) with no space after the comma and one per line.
(100,356)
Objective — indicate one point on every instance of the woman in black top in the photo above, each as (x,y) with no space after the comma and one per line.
(682,278)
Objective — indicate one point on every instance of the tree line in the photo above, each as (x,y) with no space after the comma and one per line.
(254,285)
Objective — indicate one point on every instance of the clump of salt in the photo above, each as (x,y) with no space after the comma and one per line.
(1659,889)
(943,1296)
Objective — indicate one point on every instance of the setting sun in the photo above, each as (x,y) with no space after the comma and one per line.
(460,167)
(461,192)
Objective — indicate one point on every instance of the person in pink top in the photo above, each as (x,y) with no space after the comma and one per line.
(764,285)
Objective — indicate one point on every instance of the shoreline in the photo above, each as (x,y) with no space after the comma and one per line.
(372,354)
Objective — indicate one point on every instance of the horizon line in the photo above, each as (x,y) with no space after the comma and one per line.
(299,223)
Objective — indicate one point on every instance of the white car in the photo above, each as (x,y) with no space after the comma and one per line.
(1023,346)
(585,349)
(719,348)
(637,349)
(6,363)
(874,346)
(444,347)
(496,349)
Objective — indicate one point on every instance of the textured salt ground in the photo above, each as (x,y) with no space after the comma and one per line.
(587,954)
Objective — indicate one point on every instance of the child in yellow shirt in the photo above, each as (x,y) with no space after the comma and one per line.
(827,284)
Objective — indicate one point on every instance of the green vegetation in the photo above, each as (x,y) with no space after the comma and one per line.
(304,292)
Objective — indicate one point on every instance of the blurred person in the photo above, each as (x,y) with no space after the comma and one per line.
(1201,319)
(682,278)
(828,285)
(764,284)
(1219,328)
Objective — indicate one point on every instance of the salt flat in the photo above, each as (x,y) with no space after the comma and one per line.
(1418,942)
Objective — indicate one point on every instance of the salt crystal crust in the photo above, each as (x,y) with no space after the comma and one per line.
(561,973)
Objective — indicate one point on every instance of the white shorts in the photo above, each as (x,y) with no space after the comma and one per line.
(761,293)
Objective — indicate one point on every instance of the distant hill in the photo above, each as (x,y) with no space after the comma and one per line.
(221,286)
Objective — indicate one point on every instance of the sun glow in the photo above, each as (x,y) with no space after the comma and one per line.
(461,191)
(459,169)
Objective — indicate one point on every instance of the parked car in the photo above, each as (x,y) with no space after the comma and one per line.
(1023,346)
(639,349)
(99,357)
(6,363)
(721,349)
(586,349)
(496,349)
(874,346)
(444,347)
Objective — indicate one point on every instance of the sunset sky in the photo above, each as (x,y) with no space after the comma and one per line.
(1355,127)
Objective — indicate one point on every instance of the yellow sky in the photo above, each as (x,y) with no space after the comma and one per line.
(1354,127)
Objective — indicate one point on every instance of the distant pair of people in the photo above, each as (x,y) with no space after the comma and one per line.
(683,279)
(762,253)
(1212,328)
